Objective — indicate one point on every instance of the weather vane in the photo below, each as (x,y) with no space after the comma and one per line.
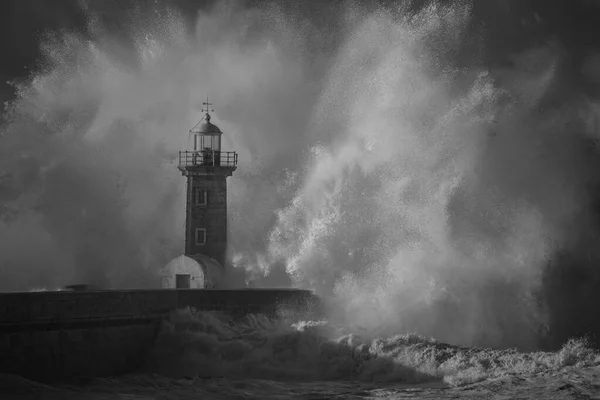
(207,110)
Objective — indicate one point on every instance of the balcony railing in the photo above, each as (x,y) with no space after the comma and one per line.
(208,158)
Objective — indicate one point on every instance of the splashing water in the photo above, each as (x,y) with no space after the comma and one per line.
(212,345)
(209,355)
(384,163)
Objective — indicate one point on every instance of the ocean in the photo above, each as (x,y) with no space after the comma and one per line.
(200,355)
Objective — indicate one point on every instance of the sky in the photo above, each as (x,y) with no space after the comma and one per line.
(510,24)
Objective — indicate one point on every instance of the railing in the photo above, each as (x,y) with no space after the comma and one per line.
(208,158)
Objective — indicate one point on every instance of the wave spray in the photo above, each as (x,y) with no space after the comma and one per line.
(384,161)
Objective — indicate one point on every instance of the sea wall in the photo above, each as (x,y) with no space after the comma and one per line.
(65,336)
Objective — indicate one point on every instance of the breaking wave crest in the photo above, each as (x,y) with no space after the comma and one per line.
(193,344)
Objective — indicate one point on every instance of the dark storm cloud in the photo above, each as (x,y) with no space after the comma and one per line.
(21,23)
(509,25)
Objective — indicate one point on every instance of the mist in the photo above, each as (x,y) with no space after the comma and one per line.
(387,161)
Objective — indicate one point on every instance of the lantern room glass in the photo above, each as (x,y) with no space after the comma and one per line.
(207,142)
(208,149)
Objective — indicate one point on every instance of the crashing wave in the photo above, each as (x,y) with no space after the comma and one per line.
(212,345)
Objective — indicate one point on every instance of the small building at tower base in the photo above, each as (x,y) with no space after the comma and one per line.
(191,272)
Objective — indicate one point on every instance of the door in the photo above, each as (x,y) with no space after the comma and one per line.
(182,281)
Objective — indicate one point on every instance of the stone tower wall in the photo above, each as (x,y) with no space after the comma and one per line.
(212,217)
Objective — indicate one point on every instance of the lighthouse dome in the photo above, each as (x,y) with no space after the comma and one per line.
(206,127)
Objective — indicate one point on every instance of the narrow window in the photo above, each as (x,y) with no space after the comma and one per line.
(200,236)
(200,196)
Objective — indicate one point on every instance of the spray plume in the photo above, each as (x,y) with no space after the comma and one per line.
(384,163)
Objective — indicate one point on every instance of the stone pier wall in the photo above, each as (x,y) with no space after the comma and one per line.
(65,336)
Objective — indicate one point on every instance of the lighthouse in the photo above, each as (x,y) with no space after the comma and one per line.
(206,169)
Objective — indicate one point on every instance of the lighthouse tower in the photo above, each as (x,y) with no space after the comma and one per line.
(206,168)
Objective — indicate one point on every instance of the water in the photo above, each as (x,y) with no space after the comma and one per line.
(207,355)
(394,158)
